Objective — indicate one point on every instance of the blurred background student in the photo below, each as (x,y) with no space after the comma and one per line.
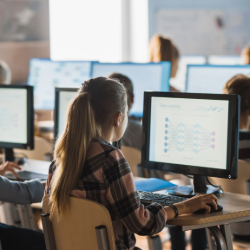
(163,49)
(240,85)
(5,73)
(133,134)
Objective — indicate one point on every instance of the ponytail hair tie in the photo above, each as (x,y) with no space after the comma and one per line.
(89,95)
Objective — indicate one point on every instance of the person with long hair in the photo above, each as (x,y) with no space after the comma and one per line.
(240,85)
(163,49)
(86,165)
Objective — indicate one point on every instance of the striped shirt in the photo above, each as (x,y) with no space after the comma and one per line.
(107,179)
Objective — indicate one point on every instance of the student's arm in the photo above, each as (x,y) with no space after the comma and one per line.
(20,192)
(125,201)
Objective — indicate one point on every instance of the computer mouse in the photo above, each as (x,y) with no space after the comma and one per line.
(202,211)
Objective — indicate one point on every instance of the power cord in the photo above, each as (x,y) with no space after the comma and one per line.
(212,183)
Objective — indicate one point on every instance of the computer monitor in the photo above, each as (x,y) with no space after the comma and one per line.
(45,75)
(180,79)
(211,78)
(193,134)
(16,118)
(145,76)
(63,98)
(225,60)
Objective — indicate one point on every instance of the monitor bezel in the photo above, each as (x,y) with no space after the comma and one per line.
(232,151)
(56,110)
(210,66)
(30,119)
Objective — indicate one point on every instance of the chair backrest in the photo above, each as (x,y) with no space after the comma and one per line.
(133,157)
(237,186)
(76,229)
(41,148)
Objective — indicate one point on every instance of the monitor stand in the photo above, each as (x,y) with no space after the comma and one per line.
(199,187)
(8,155)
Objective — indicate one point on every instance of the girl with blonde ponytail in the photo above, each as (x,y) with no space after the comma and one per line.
(87,165)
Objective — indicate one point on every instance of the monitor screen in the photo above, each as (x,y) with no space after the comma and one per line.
(144,76)
(211,79)
(45,75)
(64,96)
(16,116)
(191,133)
(179,80)
(225,60)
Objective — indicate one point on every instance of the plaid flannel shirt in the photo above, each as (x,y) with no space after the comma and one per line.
(106,178)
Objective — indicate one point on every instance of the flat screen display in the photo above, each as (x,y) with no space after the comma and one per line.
(191,132)
(46,75)
(144,76)
(13,115)
(211,79)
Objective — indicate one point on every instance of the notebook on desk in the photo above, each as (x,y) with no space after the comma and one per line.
(152,184)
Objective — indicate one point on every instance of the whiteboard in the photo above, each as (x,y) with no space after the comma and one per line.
(204,31)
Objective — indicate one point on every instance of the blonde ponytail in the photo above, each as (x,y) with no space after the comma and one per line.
(89,113)
(70,150)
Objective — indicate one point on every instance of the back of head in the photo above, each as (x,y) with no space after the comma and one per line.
(5,73)
(162,49)
(246,55)
(89,115)
(127,83)
(240,85)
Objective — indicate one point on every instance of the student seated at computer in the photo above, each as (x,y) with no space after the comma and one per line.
(245,55)
(163,49)
(133,134)
(5,73)
(132,137)
(87,165)
(16,238)
(240,85)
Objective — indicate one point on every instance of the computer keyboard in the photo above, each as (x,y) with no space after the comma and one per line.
(163,199)
(26,176)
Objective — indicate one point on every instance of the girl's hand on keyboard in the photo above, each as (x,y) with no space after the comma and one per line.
(9,166)
(197,202)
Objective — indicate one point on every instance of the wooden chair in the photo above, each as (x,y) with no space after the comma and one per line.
(42,148)
(133,157)
(77,228)
(238,186)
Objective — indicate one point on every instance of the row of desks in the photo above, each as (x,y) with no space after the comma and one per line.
(236,209)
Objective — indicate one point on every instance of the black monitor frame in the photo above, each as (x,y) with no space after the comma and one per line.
(30,120)
(232,151)
(56,110)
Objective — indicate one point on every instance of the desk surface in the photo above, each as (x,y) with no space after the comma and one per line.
(41,167)
(236,208)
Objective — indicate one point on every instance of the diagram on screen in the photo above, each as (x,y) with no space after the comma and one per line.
(8,120)
(186,137)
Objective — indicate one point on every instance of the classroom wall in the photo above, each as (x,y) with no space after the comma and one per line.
(18,55)
(24,34)
(174,18)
